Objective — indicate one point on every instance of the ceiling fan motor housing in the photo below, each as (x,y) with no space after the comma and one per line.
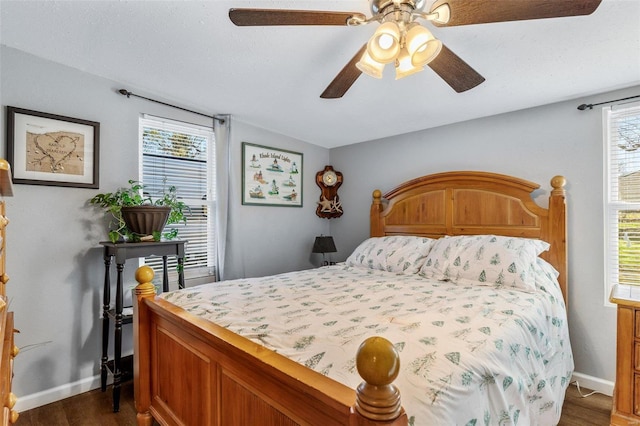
(379,6)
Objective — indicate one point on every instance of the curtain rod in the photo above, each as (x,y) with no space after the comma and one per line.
(590,106)
(128,94)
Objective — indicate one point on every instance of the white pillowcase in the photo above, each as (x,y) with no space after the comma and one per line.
(402,254)
(486,260)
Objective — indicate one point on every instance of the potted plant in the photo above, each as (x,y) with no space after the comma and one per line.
(135,216)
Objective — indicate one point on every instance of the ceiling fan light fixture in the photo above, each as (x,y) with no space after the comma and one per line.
(404,66)
(384,45)
(369,66)
(423,47)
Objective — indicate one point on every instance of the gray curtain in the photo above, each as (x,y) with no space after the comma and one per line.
(222,131)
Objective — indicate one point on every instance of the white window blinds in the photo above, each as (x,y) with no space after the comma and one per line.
(622,192)
(183,155)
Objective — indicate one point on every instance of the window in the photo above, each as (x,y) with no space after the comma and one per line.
(183,155)
(622,192)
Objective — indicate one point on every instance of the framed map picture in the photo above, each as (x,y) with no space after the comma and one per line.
(49,149)
(271,176)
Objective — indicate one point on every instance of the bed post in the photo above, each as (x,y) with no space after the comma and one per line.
(377,398)
(375,220)
(558,231)
(141,333)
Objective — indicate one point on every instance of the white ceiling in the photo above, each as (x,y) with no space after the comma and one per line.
(189,52)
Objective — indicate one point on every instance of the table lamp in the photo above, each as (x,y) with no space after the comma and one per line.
(324,244)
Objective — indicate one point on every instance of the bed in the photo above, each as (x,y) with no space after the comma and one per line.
(244,352)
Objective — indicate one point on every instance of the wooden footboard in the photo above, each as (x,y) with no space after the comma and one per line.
(189,371)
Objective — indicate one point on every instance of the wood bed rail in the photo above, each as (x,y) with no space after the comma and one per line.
(376,401)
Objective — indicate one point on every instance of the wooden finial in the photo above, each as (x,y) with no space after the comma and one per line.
(376,228)
(558,183)
(13,416)
(378,364)
(144,276)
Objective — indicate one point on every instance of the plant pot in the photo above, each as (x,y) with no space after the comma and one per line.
(145,220)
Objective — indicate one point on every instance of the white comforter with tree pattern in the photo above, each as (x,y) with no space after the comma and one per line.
(470,354)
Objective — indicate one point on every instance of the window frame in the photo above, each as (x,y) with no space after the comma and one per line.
(203,273)
(613,204)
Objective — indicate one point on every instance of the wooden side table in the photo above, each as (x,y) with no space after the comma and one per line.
(626,394)
(121,252)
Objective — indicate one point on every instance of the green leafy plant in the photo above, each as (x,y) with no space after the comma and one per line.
(133,195)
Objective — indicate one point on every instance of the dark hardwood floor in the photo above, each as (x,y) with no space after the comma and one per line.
(94,409)
(578,411)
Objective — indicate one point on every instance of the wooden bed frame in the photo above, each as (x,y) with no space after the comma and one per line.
(189,371)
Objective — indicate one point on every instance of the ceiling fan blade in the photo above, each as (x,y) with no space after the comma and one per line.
(456,72)
(263,17)
(466,12)
(345,78)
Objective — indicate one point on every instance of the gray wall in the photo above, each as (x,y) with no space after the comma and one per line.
(269,240)
(534,144)
(53,257)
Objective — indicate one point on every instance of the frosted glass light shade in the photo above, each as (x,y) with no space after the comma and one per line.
(384,46)
(423,47)
(404,67)
(370,67)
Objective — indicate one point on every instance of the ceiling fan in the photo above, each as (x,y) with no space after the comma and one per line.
(400,39)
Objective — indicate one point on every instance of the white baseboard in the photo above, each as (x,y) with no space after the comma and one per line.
(28,402)
(593,383)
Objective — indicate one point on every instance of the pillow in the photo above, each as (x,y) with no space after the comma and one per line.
(485,259)
(402,254)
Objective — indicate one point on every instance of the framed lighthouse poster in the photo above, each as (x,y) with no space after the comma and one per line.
(271,176)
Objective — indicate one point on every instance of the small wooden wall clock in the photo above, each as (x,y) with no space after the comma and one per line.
(329,181)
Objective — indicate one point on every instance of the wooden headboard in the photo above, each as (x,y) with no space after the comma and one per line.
(472,203)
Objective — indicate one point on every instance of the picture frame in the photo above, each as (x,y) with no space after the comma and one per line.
(54,150)
(271,176)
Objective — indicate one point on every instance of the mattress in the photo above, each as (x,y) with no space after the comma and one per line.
(469,354)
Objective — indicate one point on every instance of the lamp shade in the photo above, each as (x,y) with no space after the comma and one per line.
(324,244)
(384,46)
(369,66)
(422,45)
(404,66)
(6,184)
